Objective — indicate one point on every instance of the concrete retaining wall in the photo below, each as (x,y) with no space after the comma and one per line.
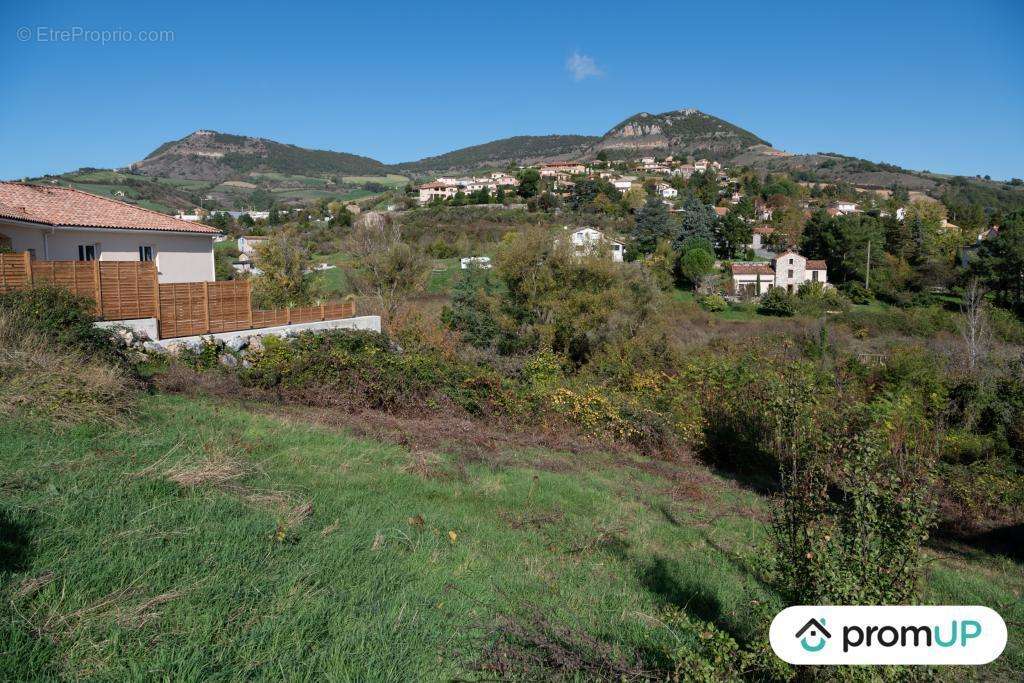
(362,322)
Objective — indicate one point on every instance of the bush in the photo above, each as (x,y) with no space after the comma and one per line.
(857,293)
(713,303)
(41,378)
(62,317)
(694,263)
(814,298)
(777,302)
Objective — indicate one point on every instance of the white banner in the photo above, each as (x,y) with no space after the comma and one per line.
(829,634)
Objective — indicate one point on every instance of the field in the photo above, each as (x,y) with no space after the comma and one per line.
(208,540)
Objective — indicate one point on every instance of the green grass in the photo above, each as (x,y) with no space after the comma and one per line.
(443,275)
(185,183)
(138,577)
(391,179)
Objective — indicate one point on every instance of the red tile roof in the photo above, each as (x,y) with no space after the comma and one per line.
(721,210)
(65,206)
(816,265)
(752,269)
(763,230)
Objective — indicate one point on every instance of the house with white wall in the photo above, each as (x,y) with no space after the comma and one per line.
(248,244)
(788,270)
(588,240)
(55,223)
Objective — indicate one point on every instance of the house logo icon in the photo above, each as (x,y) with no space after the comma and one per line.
(816,632)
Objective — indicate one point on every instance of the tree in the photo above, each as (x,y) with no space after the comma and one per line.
(635,197)
(694,263)
(732,234)
(474,308)
(705,186)
(585,193)
(974,322)
(385,267)
(1000,262)
(529,182)
(283,261)
(697,220)
(653,223)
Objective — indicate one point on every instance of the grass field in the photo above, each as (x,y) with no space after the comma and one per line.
(391,179)
(205,540)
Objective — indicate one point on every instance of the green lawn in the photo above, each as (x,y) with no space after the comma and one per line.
(442,275)
(207,541)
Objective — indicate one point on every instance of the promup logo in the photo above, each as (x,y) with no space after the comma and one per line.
(888,635)
(817,630)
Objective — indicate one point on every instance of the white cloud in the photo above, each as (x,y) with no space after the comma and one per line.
(582,66)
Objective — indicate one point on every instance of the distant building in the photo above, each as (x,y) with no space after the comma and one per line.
(789,270)
(759,236)
(478,261)
(247,244)
(667,191)
(587,240)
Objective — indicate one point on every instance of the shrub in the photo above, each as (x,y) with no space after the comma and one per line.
(857,503)
(42,378)
(857,293)
(814,298)
(777,302)
(713,303)
(694,263)
(62,317)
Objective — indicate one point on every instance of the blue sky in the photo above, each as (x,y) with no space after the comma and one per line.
(928,85)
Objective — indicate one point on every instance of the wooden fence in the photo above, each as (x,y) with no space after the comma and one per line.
(124,290)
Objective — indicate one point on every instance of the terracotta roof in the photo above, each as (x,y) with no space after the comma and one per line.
(752,269)
(66,206)
(816,265)
(763,230)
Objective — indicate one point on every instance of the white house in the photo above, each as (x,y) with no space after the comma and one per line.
(588,240)
(569,168)
(247,244)
(667,191)
(623,184)
(843,208)
(446,188)
(759,235)
(64,224)
(789,270)
(477,261)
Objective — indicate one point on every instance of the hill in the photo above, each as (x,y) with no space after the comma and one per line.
(212,156)
(685,132)
(521,149)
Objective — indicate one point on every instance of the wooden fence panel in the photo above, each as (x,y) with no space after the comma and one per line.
(272,318)
(126,290)
(183,309)
(77,276)
(122,290)
(14,271)
(229,306)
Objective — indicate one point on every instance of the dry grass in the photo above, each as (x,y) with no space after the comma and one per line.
(40,379)
(218,471)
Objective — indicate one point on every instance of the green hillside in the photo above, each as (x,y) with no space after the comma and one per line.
(522,148)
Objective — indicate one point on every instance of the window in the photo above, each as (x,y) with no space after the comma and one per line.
(146,253)
(814,275)
(789,274)
(791,263)
(86,252)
